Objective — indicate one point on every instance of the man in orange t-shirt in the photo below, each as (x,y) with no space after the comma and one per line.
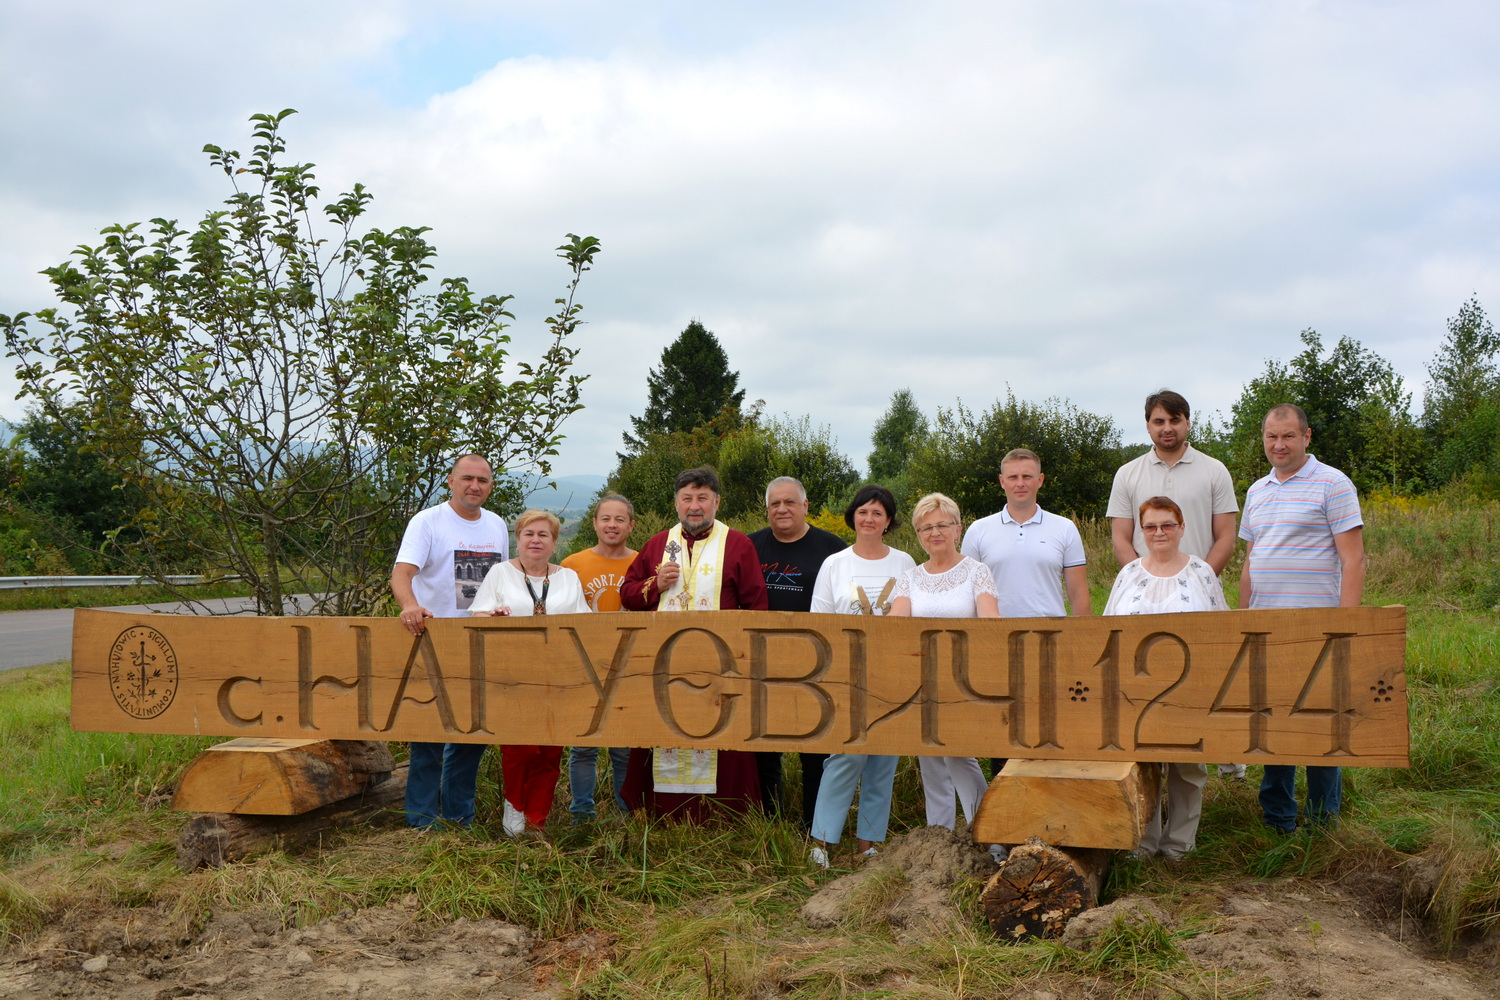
(601,569)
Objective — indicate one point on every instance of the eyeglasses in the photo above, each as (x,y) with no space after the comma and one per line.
(1151,529)
(928,529)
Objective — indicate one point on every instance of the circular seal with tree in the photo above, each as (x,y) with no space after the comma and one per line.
(142,672)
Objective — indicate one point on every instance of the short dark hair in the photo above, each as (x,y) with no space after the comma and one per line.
(606,498)
(886,499)
(1285,410)
(1161,503)
(703,475)
(1170,401)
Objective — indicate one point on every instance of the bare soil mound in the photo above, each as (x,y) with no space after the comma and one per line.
(381,952)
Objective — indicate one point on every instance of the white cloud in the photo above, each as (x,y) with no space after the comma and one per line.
(855,199)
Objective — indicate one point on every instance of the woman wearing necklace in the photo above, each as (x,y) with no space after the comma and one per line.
(530,585)
(858,581)
(1162,581)
(948,585)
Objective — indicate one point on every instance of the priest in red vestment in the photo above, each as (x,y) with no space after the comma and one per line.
(701,564)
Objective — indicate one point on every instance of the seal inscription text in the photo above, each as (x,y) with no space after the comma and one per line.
(142,672)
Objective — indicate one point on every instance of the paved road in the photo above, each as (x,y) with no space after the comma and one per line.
(31,638)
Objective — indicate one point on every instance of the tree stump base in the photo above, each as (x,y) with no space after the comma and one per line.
(212,840)
(1039,888)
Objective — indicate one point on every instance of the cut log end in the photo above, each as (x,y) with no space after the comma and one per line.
(1039,888)
(212,840)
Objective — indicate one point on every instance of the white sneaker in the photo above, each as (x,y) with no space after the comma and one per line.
(514,823)
(999,852)
(871,852)
(818,856)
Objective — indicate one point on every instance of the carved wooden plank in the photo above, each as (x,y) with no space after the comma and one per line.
(1309,686)
(272,777)
(1068,803)
(211,840)
(1039,888)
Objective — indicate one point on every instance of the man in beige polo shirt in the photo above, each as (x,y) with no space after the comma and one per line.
(1198,483)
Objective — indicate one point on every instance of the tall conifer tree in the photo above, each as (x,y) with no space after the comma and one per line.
(692,385)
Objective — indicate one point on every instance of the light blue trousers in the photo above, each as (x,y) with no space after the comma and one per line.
(875,775)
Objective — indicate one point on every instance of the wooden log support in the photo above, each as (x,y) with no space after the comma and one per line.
(215,839)
(275,777)
(1039,888)
(1068,803)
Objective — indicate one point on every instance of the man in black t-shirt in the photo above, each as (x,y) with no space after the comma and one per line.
(791,553)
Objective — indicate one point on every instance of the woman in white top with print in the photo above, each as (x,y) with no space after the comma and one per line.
(530,585)
(947,585)
(860,580)
(1163,581)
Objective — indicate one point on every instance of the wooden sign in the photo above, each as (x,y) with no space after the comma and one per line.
(1307,686)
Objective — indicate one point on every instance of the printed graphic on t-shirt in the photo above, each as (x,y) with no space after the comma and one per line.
(469,568)
(871,595)
(604,583)
(779,577)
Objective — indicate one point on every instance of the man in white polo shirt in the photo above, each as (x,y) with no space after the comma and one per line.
(1198,483)
(1306,550)
(1034,555)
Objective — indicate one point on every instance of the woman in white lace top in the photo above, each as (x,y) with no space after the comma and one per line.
(947,585)
(1163,581)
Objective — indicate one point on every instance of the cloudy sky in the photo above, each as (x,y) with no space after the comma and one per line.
(1078,199)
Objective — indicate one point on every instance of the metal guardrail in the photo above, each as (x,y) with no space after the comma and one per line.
(37,582)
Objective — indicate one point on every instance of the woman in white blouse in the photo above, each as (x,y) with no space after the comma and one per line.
(530,585)
(860,580)
(1163,581)
(948,585)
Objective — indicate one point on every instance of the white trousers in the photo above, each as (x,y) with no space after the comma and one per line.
(945,777)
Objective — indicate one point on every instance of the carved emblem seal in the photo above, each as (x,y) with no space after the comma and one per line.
(142,672)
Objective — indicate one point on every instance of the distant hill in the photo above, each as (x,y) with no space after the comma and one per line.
(571,496)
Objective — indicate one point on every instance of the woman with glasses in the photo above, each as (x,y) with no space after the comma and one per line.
(948,585)
(1163,581)
(860,580)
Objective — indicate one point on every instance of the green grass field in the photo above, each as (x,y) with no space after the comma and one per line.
(712,912)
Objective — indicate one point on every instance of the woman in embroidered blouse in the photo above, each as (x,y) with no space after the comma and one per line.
(1163,581)
(860,580)
(530,585)
(948,585)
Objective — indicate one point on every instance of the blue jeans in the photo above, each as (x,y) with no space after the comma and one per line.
(1278,795)
(440,783)
(583,778)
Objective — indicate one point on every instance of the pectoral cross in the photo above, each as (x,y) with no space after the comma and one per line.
(672,549)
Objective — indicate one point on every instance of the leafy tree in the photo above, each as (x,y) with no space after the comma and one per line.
(1340,393)
(281,390)
(692,387)
(1463,393)
(66,488)
(759,452)
(898,433)
(961,457)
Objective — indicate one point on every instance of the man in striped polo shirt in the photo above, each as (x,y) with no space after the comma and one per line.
(1306,550)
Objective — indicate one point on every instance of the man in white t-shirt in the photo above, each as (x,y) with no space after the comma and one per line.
(1034,555)
(443,558)
(1195,482)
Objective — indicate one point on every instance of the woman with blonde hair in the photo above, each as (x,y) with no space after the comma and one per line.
(948,585)
(529,585)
